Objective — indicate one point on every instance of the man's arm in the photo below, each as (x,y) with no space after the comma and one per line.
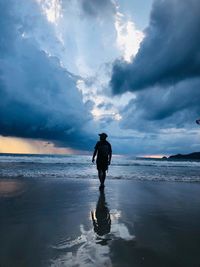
(94,154)
(110,155)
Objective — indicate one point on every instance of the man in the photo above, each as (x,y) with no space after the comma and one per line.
(103,150)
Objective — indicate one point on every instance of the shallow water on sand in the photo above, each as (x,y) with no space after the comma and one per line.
(71,223)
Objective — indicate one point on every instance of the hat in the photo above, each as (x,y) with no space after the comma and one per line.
(103,135)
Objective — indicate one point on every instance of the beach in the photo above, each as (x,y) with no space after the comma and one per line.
(95,91)
(69,222)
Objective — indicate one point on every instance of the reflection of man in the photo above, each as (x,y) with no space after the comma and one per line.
(103,150)
(102,223)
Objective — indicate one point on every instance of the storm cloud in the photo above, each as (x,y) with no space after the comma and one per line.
(38,97)
(157,109)
(170,51)
(165,79)
(55,59)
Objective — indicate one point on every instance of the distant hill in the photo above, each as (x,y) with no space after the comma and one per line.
(195,155)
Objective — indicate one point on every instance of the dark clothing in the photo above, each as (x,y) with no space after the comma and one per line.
(104,152)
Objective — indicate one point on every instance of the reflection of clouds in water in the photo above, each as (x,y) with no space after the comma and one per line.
(84,251)
(11,188)
(92,247)
(119,230)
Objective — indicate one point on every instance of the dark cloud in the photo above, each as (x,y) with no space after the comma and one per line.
(171,141)
(170,51)
(38,98)
(98,7)
(158,109)
(168,64)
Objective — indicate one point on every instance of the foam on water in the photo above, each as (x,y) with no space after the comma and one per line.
(81,167)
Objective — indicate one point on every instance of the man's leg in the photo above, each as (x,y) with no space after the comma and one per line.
(103,176)
(100,175)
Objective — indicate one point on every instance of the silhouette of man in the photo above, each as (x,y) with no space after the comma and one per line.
(103,150)
(102,222)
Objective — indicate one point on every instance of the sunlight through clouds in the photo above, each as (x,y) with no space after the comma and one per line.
(94,74)
(128,37)
(52,9)
(102,107)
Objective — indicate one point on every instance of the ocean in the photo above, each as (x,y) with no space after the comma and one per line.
(81,167)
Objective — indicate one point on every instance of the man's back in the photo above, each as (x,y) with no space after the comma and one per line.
(103,149)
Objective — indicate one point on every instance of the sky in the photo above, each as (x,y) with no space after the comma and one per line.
(70,69)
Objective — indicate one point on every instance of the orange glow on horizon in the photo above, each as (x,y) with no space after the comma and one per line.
(30,146)
(153,156)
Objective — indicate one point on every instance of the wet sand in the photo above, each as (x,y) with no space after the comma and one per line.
(70,223)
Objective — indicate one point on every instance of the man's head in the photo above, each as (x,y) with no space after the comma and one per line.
(103,136)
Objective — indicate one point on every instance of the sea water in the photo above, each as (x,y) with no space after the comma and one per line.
(81,167)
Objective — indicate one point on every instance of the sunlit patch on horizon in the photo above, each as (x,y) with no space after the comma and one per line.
(29,146)
(153,156)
